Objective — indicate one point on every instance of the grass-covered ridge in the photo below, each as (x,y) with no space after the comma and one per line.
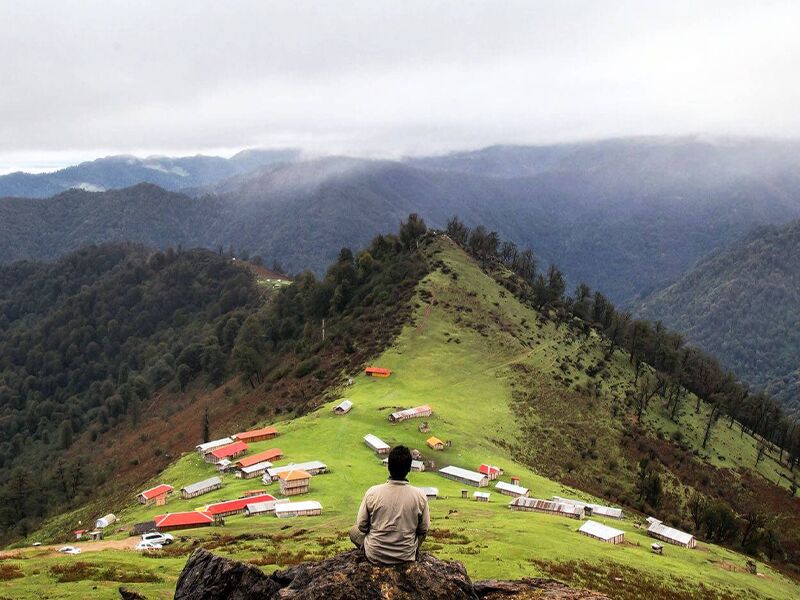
(487,365)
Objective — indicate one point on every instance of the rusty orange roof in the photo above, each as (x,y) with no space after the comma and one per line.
(294,475)
(266,455)
(433,441)
(378,370)
(245,436)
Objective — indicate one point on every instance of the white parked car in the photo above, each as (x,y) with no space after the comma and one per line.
(158,538)
(148,546)
(69,550)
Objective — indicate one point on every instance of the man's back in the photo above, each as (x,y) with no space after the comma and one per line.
(394,516)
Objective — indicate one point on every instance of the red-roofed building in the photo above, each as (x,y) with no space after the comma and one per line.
(183,520)
(230,451)
(377,372)
(234,507)
(157,495)
(256,435)
(268,455)
(490,471)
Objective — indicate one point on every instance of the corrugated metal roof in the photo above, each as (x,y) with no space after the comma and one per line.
(481,495)
(548,505)
(313,465)
(597,509)
(262,466)
(192,517)
(258,457)
(511,488)
(294,475)
(429,491)
(344,405)
(201,485)
(156,491)
(248,435)
(208,446)
(229,450)
(269,506)
(375,442)
(238,504)
(462,473)
(598,530)
(298,506)
(671,533)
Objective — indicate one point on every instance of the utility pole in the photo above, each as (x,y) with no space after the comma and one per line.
(323,330)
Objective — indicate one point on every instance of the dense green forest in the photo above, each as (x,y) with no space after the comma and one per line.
(743,305)
(93,343)
(84,344)
(678,367)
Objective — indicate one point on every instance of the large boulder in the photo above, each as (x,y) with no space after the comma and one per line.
(349,576)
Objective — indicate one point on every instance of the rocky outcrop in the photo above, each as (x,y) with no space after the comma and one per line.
(349,576)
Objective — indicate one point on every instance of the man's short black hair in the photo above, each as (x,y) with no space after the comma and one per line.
(399,462)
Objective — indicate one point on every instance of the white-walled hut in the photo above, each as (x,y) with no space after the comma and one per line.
(662,532)
(255,470)
(104,522)
(411,413)
(597,510)
(464,476)
(481,496)
(547,506)
(344,407)
(509,489)
(601,532)
(307,508)
(201,487)
(376,444)
(263,508)
(430,492)
(312,467)
(203,449)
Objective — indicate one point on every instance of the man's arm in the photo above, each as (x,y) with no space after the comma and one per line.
(362,519)
(422,528)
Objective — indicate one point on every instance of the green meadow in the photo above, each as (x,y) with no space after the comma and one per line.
(444,358)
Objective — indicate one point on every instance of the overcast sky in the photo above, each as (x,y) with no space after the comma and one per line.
(84,79)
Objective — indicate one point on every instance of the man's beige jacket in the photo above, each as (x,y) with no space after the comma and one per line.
(392,516)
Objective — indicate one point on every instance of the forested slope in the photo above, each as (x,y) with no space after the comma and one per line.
(743,305)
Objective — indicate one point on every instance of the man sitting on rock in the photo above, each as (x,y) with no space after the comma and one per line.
(393,519)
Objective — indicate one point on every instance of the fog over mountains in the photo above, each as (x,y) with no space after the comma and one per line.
(626,216)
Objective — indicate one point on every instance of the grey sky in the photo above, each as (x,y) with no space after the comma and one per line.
(81,79)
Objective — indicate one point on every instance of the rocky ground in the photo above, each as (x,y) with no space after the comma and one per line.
(349,576)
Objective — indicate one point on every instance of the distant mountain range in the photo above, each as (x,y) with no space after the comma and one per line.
(115,172)
(742,303)
(626,216)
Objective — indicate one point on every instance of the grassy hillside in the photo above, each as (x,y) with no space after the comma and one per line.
(488,367)
(743,304)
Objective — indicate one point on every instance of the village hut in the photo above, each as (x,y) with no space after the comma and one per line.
(411,413)
(662,532)
(377,372)
(156,495)
(312,467)
(104,522)
(510,489)
(376,444)
(183,520)
(228,452)
(203,449)
(547,506)
(308,508)
(294,482)
(201,487)
(464,476)
(481,496)
(490,471)
(263,508)
(235,507)
(143,527)
(344,407)
(597,510)
(259,457)
(601,532)
(435,443)
(416,465)
(255,470)
(256,435)
(430,492)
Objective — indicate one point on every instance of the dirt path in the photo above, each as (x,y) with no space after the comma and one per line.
(86,547)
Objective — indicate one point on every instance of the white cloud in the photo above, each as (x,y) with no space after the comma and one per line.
(386,78)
